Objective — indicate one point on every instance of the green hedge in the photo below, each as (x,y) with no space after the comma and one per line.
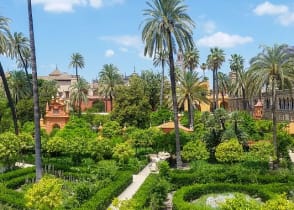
(18,181)
(182,198)
(16,173)
(103,198)
(12,197)
(142,196)
(180,178)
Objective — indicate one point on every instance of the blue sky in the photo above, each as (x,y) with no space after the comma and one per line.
(108,31)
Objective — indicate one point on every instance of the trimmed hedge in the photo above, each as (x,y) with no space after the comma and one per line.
(142,196)
(16,173)
(12,197)
(182,198)
(18,181)
(102,199)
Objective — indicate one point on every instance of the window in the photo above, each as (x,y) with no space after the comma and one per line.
(55,111)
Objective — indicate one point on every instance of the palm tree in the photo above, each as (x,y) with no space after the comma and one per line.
(224,85)
(166,25)
(191,89)
(20,48)
(19,86)
(240,83)
(214,62)
(109,77)
(161,58)
(38,160)
(274,66)
(191,59)
(203,66)
(4,49)
(78,94)
(77,61)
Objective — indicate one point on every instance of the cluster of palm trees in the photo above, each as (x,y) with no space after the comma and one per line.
(168,29)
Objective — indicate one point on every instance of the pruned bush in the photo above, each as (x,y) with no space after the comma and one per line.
(195,150)
(229,151)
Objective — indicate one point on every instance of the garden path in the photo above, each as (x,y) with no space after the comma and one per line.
(138,180)
(291,155)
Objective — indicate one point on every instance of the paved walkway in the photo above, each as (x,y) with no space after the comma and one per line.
(291,155)
(135,185)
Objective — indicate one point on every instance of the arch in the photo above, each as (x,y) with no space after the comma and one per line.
(56,126)
(224,105)
(284,103)
(280,103)
(99,106)
(287,104)
(292,103)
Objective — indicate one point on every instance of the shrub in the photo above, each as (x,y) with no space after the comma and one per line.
(163,169)
(261,150)
(46,194)
(123,152)
(240,202)
(195,150)
(229,151)
(278,203)
(111,129)
(11,197)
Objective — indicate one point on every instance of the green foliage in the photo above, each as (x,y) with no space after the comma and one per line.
(123,152)
(261,151)
(6,123)
(278,203)
(131,105)
(164,169)
(11,197)
(285,142)
(111,129)
(46,194)
(229,151)
(195,150)
(240,202)
(9,148)
(24,110)
(26,141)
(160,116)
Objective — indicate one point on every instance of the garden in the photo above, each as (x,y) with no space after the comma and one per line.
(228,164)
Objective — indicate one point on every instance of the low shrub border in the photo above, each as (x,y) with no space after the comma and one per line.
(12,197)
(16,173)
(182,198)
(102,199)
(18,181)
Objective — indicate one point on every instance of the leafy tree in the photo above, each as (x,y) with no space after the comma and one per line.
(167,25)
(273,66)
(46,194)
(131,104)
(161,58)
(261,150)
(160,116)
(47,89)
(9,148)
(77,61)
(123,152)
(111,129)
(214,62)
(195,150)
(229,151)
(24,110)
(109,77)
(151,87)
(79,91)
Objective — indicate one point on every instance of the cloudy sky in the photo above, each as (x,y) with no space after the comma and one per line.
(108,31)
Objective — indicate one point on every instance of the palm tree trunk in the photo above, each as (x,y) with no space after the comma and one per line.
(38,159)
(274,119)
(9,98)
(244,99)
(110,98)
(174,98)
(191,113)
(216,89)
(162,85)
(77,74)
(213,90)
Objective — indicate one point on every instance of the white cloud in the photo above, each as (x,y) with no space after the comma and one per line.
(268,8)
(224,40)
(283,14)
(109,53)
(125,40)
(68,5)
(209,27)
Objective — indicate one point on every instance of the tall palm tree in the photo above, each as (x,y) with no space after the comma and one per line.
(109,77)
(38,160)
(203,66)
(214,62)
(191,89)
(191,59)
(78,95)
(161,58)
(274,66)
(19,86)
(241,81)
(166,25)
(77,61)
(20,48)
(4,50)
(224,85)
